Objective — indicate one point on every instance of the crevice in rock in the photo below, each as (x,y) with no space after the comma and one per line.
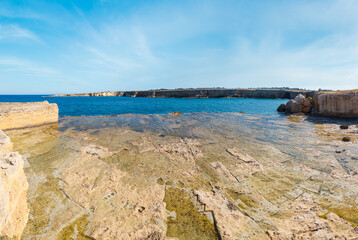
(202,206)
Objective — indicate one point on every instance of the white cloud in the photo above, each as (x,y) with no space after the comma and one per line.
(15,31)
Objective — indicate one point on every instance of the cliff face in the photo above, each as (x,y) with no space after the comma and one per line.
(337,104)
(217,93)
(20,115)
(203,93)
(13,188)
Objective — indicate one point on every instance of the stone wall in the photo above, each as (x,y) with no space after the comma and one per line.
(19,115)
(337,104)
(13,188)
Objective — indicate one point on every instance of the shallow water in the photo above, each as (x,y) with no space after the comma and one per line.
(134,171)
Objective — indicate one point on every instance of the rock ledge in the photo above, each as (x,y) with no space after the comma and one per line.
(15,115)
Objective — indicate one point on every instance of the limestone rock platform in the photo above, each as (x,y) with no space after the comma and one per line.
(14,115)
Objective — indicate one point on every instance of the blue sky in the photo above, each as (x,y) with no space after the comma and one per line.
(68,46)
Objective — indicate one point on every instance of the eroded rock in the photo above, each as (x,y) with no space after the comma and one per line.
(300,99)
(13,188)
(337,103)
(232,223)
(306,223)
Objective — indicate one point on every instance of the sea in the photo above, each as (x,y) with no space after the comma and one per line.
(98,106)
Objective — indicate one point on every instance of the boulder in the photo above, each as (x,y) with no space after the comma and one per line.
(344,126)
(307,103)
(299,99)
(282,108)
(293,107)
(306,109)
(297,105)
(175,113)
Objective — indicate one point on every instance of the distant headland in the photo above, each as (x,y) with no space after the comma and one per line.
(270,93)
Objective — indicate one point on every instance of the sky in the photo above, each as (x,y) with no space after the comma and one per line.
(63,46)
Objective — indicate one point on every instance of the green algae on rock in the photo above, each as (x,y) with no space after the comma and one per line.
(187,223)
(76,230)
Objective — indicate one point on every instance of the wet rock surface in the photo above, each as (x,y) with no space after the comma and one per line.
(192,176)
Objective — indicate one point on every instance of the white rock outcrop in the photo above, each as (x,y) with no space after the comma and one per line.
(337,104)
(13,188)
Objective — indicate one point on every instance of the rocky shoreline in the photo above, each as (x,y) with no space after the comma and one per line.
(328,104)
(201,93)
(178,176)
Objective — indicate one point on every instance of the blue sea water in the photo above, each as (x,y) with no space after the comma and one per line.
(95,106)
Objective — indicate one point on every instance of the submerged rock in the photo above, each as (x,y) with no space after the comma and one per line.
(175,113)
(344,126)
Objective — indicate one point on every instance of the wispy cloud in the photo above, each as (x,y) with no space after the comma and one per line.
(24,66)
(142,47)
(14,31)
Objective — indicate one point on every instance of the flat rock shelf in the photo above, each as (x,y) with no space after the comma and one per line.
(190,176)
(20,115)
